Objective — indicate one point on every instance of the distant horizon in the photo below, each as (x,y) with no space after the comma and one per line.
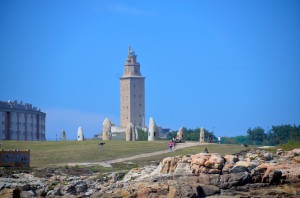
(224,66)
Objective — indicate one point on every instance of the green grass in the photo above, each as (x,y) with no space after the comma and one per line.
(289,146)
(52,154)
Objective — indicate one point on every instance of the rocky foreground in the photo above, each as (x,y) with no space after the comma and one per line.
(255,173)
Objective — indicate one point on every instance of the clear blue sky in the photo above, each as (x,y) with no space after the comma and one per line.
(227,65)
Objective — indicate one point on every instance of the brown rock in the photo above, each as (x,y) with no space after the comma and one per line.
(297,159)
(200,161)
(143,192)
(169,164)
(243,163)
(186,159)
(7,193)
(231,158)
(172,192)
(209,164)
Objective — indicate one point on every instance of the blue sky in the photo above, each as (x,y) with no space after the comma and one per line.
(222,65)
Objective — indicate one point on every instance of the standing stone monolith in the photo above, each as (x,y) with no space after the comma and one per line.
(136,133)
(63,136)
(202,135)
(152,130)
(133,135)
(129,132)
(180,135)
(106,129)
(80,134)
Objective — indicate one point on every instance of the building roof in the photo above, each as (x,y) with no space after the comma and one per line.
(14,105)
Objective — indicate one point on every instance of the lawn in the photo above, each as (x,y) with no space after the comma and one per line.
(52,153)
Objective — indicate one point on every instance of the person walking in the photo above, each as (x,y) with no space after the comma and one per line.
(219,140)
(170,144)
(174,143)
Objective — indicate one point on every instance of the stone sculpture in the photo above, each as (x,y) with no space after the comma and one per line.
(152,130)
(202,135)
(136,134)
(130,132)
(80,136)
(63,136)
(106,129)
(180,135)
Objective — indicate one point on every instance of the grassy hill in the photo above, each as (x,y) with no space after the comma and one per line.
(52,153)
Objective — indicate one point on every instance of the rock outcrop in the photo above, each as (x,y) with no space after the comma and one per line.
(199,175)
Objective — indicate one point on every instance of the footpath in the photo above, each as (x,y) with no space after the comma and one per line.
(109,162)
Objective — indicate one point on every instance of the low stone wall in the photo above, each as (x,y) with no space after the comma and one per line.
(15,158)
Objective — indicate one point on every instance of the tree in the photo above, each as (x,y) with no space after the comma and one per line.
(143,136)
(192,134)
(256,135)
(284,133)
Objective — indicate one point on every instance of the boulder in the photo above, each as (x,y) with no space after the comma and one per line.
(234,179)
(279,152)
(169,164)
(183,169)
(239,169)
(292,153)
(186,159)
(268,156)
(8,193)
(243,163)
(231,158)
(297,159)
(207,190)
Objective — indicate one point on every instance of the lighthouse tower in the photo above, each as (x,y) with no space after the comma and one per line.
(132,93)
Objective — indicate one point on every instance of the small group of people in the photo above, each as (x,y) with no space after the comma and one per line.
(172,143)
(210,138)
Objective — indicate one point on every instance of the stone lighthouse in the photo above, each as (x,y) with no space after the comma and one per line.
(132,93)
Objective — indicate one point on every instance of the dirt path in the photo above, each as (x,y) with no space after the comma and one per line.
(109,162)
